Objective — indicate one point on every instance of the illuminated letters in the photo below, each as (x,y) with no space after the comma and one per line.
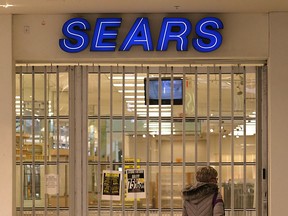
(175,30)
(167,34)
(138,35)
(100,37)
(205,28)
(78,39)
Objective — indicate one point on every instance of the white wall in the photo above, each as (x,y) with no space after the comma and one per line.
(245,36)
(7,123)
(278,118)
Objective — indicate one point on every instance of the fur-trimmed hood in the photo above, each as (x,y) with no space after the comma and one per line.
(198,192)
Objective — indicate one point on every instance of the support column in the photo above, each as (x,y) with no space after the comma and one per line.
(277,113)
(7,120)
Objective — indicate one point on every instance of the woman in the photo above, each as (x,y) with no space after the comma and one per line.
(204,198)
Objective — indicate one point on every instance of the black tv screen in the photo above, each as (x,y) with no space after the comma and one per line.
(153,84)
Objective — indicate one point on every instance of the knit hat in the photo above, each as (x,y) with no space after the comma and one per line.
(206,174)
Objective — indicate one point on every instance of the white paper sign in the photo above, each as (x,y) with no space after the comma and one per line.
(52,182)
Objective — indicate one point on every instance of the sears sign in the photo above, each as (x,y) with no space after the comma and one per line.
(172,29)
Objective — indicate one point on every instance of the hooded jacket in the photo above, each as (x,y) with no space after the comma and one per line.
(203,199)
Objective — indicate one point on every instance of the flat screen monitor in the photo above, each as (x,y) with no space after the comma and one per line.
(166,96)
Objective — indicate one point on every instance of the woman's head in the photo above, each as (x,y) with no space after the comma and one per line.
(206,174)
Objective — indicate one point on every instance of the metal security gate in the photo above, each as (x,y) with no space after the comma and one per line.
(97,139)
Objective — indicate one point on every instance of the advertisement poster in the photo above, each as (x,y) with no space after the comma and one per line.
(129,163)
(111,182)
(135,183)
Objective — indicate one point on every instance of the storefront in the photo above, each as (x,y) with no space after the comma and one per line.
(87,118)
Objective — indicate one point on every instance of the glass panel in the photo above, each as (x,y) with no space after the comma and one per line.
(58,140)
(61,199)
(19,182)
(189,148)
(37,140)
(51,91)
(93,94)
(17,94)
(251,187)
(251,91)
(105,95)
(92,185)
(63,93)
(63,88)
(169,186)
(226,186)
(226,90)
(39,103)
(239,94)
(189,97)
(27,94)
(202,94)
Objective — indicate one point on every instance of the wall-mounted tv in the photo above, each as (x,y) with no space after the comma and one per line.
(153,84)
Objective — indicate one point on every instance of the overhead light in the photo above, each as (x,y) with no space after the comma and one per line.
(126,78)
(154,114)
(6,5)
(152,110)
(131,91)
(132,96)
(137,101)
(128,85)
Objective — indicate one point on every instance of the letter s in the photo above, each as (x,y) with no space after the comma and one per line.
(210,39)
(77,40)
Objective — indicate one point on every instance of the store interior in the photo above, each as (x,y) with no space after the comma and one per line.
(215,123)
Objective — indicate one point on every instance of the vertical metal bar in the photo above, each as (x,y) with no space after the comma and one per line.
(159,143)
(123,137)
(260,146)
(245,142)
(232,141)
(184,111)
(33,142)
(261,141)
(21,144)
(220,125)
(185,86)
(72,141)
(45,135)
(148,168)
(135,131)
(84,159)
(208,117)
(99,143)
(111,130)
(58,134)
(171,141)
(78,142)
(196,119)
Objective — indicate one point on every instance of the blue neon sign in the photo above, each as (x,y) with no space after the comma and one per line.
(168,34)
(172,30)
(203,31)
(100,41)
(139,34)
(78,39)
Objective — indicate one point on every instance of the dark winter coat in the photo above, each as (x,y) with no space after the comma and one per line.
(203,199)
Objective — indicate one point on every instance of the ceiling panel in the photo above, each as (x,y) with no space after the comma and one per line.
(147,6)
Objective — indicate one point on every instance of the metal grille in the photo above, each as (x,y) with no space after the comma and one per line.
(125,139)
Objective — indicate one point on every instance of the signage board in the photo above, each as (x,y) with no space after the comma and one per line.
(104,38)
